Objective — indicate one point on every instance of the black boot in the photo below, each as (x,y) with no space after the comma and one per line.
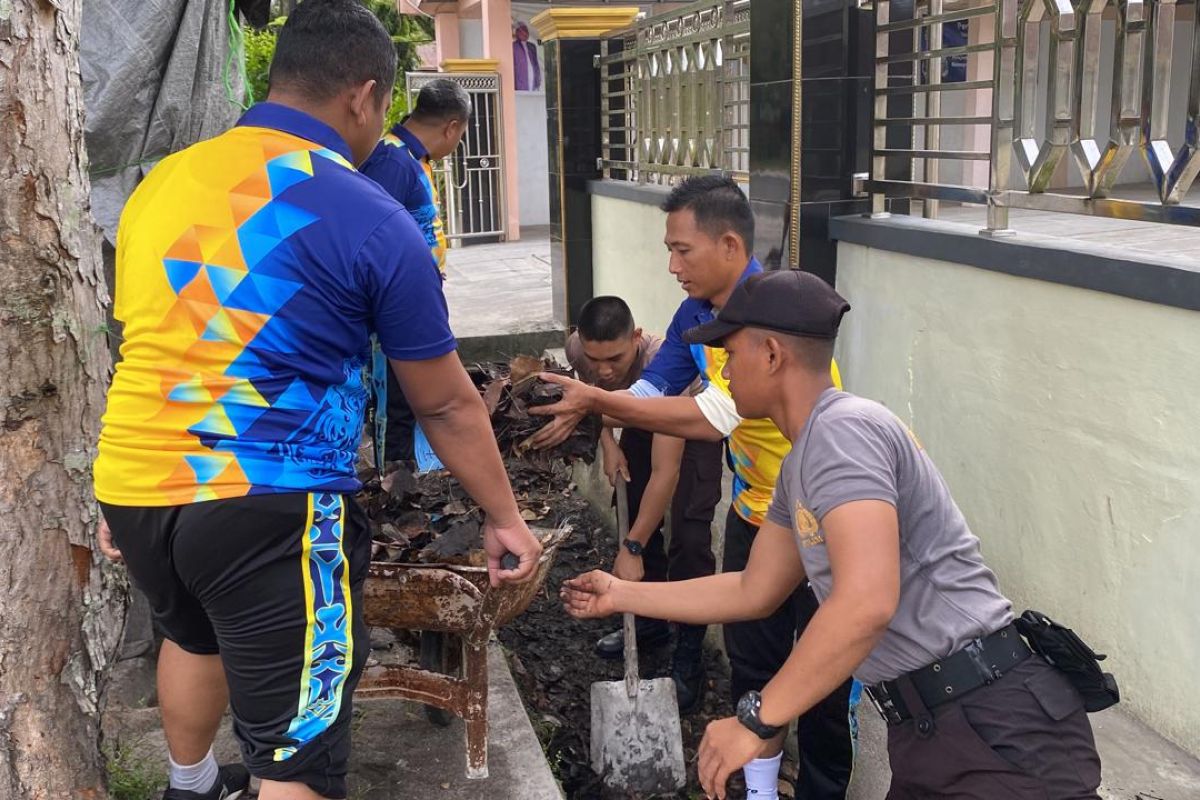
(651,635)
(687,667)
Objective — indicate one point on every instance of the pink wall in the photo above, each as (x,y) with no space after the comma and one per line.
(497,44)
(445,32)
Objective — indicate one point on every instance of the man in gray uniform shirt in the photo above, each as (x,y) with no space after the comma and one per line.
(907,604)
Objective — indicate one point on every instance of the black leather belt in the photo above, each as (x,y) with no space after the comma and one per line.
(980,663)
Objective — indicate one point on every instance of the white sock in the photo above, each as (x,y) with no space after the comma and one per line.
(197,778)
(762,778)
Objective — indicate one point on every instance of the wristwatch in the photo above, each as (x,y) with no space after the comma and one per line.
(635,548)
(748,709)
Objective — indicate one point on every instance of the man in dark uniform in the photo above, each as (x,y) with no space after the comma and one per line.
(906,603)
(610,351)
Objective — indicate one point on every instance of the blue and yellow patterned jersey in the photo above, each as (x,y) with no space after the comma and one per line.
(251,270)
(756,448)
(400,164)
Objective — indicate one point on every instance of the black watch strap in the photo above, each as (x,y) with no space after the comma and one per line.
(748,709)
(635,548)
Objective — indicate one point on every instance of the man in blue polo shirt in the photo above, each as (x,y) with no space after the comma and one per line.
(402,163)
(710,235)
(252,269)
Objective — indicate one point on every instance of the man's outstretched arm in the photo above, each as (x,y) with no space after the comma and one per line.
(674,416)
(772,573)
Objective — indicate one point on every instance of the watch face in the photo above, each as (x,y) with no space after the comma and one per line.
(747,706)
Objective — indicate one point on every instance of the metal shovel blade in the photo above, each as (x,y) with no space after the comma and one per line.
(636,743)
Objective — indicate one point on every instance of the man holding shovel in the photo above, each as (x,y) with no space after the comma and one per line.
(251,270)
(610,351)
(710,235)
(907,604)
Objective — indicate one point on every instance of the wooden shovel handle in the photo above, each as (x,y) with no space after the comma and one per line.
(631,659)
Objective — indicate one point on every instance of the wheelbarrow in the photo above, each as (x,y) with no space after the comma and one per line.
(456,600)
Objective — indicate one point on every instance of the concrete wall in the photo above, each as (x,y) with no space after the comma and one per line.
(471,38)
(1065,422)
(629,259)
(532,162)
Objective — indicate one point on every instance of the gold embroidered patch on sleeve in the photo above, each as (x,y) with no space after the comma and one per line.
(807,528)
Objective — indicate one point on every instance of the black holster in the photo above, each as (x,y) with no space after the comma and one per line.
(1065,651)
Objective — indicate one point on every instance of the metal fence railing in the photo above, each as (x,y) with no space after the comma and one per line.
(675,94)
(1028,104)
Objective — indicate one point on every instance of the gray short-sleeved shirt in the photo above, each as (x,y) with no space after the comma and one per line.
(855,449)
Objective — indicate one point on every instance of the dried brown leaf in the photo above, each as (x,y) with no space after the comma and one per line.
(523,367)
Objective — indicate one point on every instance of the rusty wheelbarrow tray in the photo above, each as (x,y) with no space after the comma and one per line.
(456,600)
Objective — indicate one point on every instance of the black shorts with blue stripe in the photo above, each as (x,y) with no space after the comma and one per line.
(273,584)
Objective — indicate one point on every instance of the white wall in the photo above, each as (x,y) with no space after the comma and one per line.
(1066,423)
(532,159)
(470,38)
(629,260)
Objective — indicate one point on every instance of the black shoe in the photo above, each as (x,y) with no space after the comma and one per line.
(233,781)
(687,667)
(651,635)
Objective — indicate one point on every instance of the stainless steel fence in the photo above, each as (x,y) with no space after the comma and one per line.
(1030,107)
(471,179)
(675,94)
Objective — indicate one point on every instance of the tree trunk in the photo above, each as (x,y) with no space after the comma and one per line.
(61,614)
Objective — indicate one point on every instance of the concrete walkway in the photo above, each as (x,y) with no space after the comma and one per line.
(400,755)
(495,289)
(397,753)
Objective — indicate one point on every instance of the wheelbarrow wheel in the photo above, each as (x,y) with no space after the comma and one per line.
(433,658)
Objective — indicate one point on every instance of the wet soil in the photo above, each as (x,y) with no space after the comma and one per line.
(554,664)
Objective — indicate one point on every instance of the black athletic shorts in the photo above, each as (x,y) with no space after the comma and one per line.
(273,584)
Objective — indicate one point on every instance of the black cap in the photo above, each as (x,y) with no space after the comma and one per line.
(788,301)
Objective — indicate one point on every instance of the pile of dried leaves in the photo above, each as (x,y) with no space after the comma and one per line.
(509,390)
(430,519)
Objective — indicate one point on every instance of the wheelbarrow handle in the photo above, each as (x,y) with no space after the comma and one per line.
(631,658)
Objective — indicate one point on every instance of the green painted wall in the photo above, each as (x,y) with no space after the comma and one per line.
(1067,424)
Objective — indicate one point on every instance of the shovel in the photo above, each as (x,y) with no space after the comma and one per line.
(636,741)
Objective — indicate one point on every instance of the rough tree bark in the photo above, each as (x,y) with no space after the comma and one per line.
(60,613)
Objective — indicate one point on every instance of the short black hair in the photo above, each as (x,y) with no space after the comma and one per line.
(328,45)
(442,100)
(718,204)
(605,319)
(816,355)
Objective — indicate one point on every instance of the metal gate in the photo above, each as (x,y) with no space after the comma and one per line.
(471,179)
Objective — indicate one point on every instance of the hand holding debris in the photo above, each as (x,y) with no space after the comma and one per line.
(510,539)
(516,394)
(575,404)
(554,432)
(590,596)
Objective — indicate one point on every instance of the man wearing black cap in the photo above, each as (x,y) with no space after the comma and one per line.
(907,604)
(710,235)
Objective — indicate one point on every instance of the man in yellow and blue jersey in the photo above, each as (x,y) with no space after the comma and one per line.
(710,234)
(402,163)
(252,270)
